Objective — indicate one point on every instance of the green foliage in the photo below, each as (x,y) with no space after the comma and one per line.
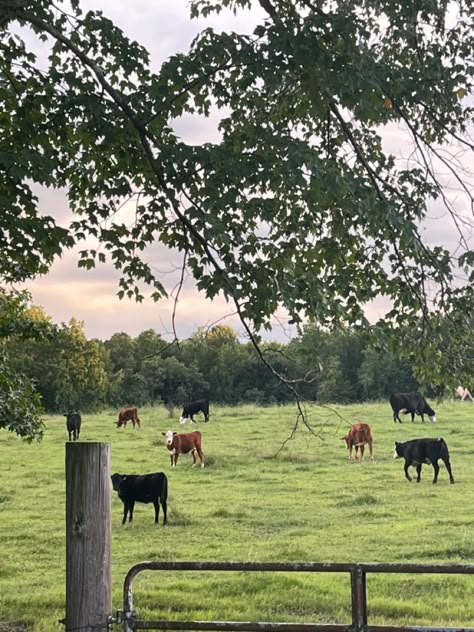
(20,405)
(68,370)
(304,505)
(298,205)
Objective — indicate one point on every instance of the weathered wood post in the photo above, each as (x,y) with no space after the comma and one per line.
(88,536)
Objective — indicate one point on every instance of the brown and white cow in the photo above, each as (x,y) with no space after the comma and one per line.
(359,434)
(182,444)
(464,393)
(128,414)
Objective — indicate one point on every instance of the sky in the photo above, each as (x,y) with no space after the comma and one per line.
(67,291)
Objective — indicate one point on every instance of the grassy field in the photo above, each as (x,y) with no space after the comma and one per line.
(308,504)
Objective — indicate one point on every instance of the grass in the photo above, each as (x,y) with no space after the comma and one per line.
(308,504)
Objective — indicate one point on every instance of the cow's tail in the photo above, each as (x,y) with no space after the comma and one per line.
(444,447)
(164,489)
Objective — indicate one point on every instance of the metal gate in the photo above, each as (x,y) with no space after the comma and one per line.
(358,576)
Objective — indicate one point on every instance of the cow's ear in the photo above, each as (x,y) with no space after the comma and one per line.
(174,434)
(164,434)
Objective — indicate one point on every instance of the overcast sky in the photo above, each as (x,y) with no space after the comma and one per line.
(165,28)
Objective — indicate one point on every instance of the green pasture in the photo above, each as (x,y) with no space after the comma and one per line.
(307,504)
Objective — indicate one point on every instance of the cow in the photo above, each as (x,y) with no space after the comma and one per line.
(145,488)
(128,414)
(182,444)
(411,403)
(193,408)
(463,393)
(419,451)
(359,434)
(73,425)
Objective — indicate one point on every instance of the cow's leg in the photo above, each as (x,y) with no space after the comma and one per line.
(371,450)
(448,467)
(164,507)
(396,416)
(138,422)
(175,458)
(413,417)
(192,419)
(350,452)
(193,452)
(418,472)
(422,417)
(171,457)
(156,505)
(70,434)
(130,510)
(125,511)
(436,471)
(362,448)
(407,475)
(78,433)
(201,455)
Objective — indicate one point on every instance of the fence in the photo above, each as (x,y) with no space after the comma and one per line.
(358,577)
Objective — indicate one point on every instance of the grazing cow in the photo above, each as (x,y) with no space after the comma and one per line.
(463,393)
(358,435)
(411,403)
(146,488)
(182,444)
(193,408)
(128,414)
(419,451)
(73,425)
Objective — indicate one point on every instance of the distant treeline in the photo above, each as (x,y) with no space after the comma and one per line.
(72,372)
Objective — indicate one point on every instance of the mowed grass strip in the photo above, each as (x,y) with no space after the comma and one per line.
(307,504)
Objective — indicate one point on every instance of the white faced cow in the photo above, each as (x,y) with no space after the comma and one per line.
(182,444)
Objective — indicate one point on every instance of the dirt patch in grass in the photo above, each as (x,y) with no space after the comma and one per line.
(12,627)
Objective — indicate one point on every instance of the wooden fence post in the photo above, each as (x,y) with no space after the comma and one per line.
(88,536)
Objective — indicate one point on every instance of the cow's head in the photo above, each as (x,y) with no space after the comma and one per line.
(397,452)
(347,440)
(169,436)
(430,412)
(117,481)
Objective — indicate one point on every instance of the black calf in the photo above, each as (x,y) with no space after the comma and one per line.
(146,488)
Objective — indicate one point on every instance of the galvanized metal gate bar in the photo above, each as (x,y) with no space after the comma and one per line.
(358,576)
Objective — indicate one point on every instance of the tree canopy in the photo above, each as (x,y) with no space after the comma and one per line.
(298,204)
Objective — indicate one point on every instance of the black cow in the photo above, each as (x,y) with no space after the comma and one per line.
(73,425)
(193,408)
(146,488)
(411,403)
(419,451)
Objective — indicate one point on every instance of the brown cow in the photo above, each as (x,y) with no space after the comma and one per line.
(182,444)
(357,437)
(128,414)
